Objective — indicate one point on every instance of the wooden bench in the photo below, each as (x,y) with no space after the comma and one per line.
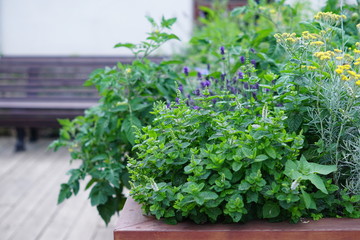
(36,91)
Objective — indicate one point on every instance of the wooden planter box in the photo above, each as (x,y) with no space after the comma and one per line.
(134,225)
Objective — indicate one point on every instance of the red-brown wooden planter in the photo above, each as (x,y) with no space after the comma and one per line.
(133,225)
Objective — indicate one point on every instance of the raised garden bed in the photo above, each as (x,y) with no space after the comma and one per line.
(133,225)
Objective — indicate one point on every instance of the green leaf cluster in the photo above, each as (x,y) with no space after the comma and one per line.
(224,165)
(102,139)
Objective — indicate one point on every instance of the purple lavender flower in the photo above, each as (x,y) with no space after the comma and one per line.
(223,75)
(241,75)
(177,100)
(246,85)
(205,83)
(196,107)
(254,86)
(252,50)
(208,67)
(199,74)
(222,50)
(168,105)
(197,92)
(181,88)
(186,71)
(242,59)
(253,61)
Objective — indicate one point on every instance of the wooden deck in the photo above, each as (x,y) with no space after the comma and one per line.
(29,185)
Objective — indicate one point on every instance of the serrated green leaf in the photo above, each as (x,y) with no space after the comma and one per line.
(100,193)
(260,158)
(125,45)
(65,192)
(236,166)
(309,202)
(270,151)
(270,210)
(317,181)
(207,195)
(322,169)
(247,152)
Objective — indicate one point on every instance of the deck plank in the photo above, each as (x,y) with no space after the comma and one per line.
(29,185)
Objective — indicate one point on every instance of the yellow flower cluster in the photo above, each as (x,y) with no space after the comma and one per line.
(309,36)
(347,74)
(329,17)
(357,62)
(309,67)
(324,55)
(317,43)
(286,38)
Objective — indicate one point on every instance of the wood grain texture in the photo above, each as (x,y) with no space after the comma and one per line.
(29,186)
(132,225)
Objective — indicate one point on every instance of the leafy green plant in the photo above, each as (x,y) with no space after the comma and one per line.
(249,30)
(216,164)
(102,139)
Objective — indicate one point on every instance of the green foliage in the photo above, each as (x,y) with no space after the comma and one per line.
(102,139)
(220,164)
(247,31)
(325,71)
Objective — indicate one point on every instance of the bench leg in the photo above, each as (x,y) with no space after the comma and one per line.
(34,135)
(20,139)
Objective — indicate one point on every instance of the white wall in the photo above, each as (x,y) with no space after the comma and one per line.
(84,27)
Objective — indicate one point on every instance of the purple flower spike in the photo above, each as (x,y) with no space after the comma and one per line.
(222,50)
(196,107)
(205,83)
(252,50)
(254,86)
(186,71)
(223,75)
(197,92)
(246,85)
(253,61)
(241,75)
(177,100)
(199,74)
(242,59)
(181,88)
(168,105)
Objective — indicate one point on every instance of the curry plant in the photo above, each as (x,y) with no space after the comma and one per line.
(325,72)
(102,139)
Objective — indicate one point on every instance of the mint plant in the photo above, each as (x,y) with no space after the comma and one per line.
(102,139)
(216,164)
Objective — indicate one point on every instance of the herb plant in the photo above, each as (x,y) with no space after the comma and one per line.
(225,162)
(325,71)
(228,154)
(102,139)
